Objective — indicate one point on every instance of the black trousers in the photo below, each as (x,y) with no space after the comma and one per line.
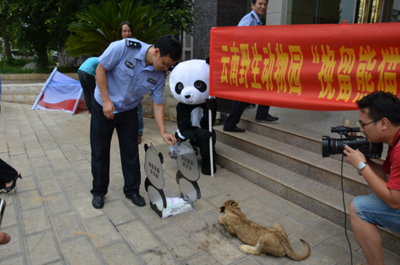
(101,130)
(7,174)
(88,83)
(236,112)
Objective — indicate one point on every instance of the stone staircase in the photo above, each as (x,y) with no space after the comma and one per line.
(291,166)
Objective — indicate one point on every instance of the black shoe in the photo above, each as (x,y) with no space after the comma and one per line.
(136,199)
(14,183)
(268,118)
(98,202)
(234,129)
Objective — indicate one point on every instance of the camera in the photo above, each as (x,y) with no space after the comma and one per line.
(332,146)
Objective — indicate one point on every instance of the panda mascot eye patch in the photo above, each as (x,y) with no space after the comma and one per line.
(178,88)
(200,85)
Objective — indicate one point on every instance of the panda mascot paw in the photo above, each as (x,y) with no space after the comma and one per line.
(189,83)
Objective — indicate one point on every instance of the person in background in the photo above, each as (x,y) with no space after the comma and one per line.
(251,19)
(127,70)
(87,73)
(380,122)
(125,31)
(8,175)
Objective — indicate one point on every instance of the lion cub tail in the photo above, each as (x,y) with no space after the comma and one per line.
(293,255)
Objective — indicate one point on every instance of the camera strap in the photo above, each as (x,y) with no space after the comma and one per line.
(397,140)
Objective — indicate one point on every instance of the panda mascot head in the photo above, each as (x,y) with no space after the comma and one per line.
(189,82)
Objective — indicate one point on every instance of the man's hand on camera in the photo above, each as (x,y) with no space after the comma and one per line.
(355,157)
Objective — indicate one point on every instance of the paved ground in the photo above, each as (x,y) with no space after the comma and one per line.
(51,219)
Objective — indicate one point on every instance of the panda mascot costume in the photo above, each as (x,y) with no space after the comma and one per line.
(189,85)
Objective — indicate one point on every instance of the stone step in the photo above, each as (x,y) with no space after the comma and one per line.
(306,163)
(21,93)
(308,193)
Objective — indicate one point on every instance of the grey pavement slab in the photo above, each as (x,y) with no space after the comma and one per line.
(51,219)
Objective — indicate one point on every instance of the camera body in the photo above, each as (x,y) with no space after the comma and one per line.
(332,146)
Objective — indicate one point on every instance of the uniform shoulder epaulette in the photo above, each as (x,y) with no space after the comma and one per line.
(252,15)
(134,44)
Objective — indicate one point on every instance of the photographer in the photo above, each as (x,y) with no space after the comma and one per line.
(380,122)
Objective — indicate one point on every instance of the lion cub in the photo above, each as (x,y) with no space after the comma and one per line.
(260,239)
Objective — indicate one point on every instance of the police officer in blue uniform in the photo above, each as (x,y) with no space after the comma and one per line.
(127,70)
(251,19)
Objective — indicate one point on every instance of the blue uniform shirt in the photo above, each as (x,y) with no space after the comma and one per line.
(90,65)
(251,19)
(128,78)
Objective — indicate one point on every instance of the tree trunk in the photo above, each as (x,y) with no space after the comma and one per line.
(6,43)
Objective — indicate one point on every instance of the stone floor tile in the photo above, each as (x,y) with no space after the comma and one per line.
(76,189)
(202,206)
(80,251)
(30,199)
(390,257)
(202,259)
(14,247)
(57,203)
(15,151)
(159,256)
(43,173)
(26,183)
(61,163)
(118,212)
(50,186)
(35,152)
(118,254)
(189,222)
(301,231)
(138,236)
(177,241)
(10,216)
(68,175)
(230,191)
(207,191)
(218,246)
(42,248)
(218,200)
(75,156)
(54,153)
(150,217)
(85,208)
(297,212)
(9,197)
(35,220)
(339,252)
(101,231)
(31,144)
(246,261)
(335,232)
(67,147)
(269,212)
(19,160)
(261,194)
(14,260)
(67,225)
(39,161)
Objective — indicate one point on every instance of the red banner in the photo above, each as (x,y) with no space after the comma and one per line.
(313,67)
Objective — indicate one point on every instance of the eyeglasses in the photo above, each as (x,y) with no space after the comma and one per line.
(166,65)
(363,125)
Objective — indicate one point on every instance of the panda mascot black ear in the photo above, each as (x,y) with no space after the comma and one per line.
(208,60)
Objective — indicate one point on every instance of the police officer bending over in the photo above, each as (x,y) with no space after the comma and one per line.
(127,70)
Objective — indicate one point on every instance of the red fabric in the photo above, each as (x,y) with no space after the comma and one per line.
(314,67)
(392,165)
